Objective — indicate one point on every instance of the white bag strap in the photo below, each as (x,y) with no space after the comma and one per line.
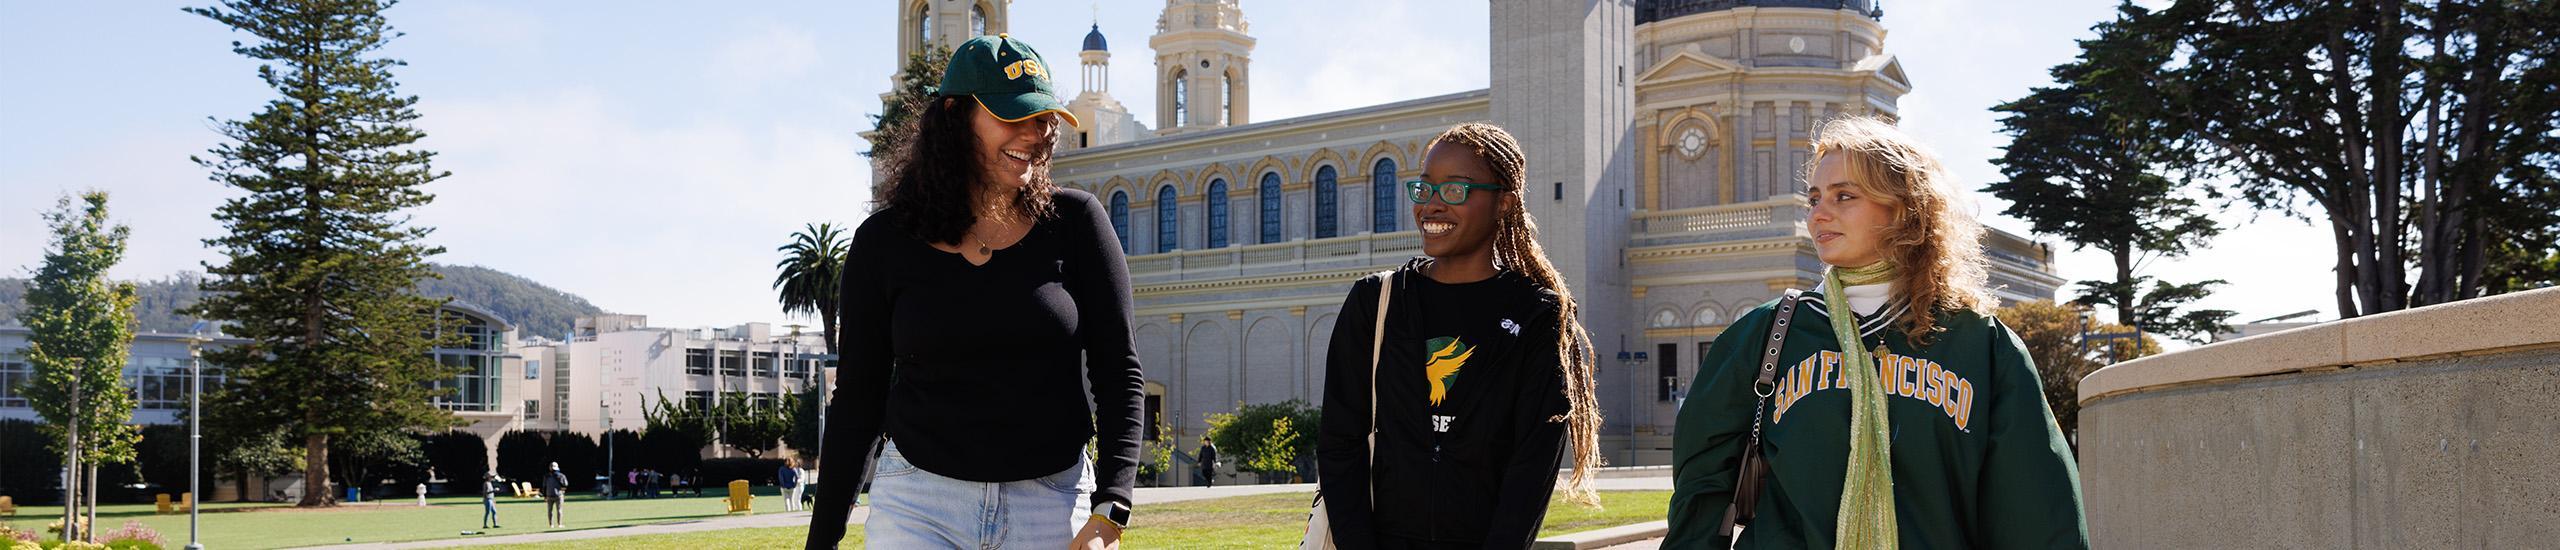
(1377,343)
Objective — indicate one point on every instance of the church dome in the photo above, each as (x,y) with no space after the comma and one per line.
(1648,11)
(1093,40)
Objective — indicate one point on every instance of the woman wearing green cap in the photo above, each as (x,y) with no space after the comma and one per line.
(1894,411)
(978,303)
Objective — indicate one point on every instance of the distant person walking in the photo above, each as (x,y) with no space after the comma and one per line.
(555,489)
(1208,456)
(979,301)
(489,501)
(789,479)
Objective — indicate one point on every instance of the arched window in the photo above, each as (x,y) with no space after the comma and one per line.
(1382,196)
(1167,230)
(1181,98)
(1708,317)
(924,27)
(1120,219)
(1227,101)
(1326,203)
(1269,194)
(977,20)
(1218,213)
(1665,318)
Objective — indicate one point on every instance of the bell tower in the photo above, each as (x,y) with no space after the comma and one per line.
(1203,66)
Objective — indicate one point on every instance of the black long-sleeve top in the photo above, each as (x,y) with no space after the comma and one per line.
(973,369)
(1477,467)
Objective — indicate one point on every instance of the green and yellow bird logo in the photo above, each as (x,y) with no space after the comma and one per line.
(1447,356)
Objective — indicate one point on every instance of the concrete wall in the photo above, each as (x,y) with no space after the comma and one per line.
(2430,428)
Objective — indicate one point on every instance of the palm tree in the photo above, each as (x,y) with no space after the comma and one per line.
(810,267)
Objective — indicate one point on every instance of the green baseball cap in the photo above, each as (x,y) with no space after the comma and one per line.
(1009,79)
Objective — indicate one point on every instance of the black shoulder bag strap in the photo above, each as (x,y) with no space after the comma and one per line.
(1746,489)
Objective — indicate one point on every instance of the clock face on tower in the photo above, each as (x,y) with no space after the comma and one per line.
(1692,142)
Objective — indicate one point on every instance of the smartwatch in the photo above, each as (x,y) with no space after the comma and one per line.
(1116,513)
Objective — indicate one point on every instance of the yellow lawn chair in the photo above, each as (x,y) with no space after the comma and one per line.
(739,499)
(524,489)
(8,507)
(162,500)
(186,502)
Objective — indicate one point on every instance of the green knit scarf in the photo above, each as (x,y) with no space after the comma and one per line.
(1866,496)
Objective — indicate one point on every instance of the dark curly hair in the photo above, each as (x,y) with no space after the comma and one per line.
(934,175)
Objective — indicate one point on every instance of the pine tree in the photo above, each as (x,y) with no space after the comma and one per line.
(322,262)
(2085,163)
(80,326)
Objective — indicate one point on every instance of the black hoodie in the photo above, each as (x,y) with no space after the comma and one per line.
(1470,404)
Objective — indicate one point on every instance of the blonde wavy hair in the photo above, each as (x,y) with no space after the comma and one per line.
(1936,248)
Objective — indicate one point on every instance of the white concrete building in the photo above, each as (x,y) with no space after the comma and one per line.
(612,366)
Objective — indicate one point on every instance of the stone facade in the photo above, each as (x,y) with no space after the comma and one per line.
(1665,138)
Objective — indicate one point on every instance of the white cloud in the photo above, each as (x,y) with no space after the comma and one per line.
(675,221)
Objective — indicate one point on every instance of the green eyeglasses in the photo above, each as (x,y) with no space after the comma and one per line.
(1451,193)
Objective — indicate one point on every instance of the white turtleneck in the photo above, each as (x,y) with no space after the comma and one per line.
(1866,299)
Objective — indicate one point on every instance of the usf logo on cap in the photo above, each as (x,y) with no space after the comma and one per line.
(1005,76)
(1023,67)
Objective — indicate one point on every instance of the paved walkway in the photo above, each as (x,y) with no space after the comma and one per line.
(1145,496)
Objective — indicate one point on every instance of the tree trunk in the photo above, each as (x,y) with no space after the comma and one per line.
(2346,271)
(315,476)
(71,467)
(2391,267)
(2124,276)
(90,499)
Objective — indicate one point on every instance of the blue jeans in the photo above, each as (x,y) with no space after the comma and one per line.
(488,512)
(913,508)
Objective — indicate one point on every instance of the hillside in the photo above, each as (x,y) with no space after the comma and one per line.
(536,310)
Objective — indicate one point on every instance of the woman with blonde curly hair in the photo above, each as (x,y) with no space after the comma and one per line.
(1894,409)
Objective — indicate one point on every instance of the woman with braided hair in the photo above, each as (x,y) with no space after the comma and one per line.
(1895,411)
(1482,380)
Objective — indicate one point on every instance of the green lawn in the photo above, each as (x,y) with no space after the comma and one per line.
(1260,521)
(230,525)
(731,539)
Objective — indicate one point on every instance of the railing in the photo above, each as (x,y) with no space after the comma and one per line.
(1290,256)
(1781,214)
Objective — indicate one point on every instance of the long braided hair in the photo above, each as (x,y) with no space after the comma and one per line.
(1515,246)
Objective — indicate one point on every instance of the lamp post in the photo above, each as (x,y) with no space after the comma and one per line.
(1634,361)
(195,429)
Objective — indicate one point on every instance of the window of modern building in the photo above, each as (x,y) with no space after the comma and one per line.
(697,361)
(1326,201)
(1382,197)
(1269,194)
(733,362)
(1168,228)
(476,389)
(14,372)
(533,369)
(161,383)
(1217,213)
(1120,219)
(697,399)
(532,409)
(764,364)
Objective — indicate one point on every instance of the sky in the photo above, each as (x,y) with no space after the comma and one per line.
(650,156)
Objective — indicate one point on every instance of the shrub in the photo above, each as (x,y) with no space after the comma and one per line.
(133,531)
(1246,438)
